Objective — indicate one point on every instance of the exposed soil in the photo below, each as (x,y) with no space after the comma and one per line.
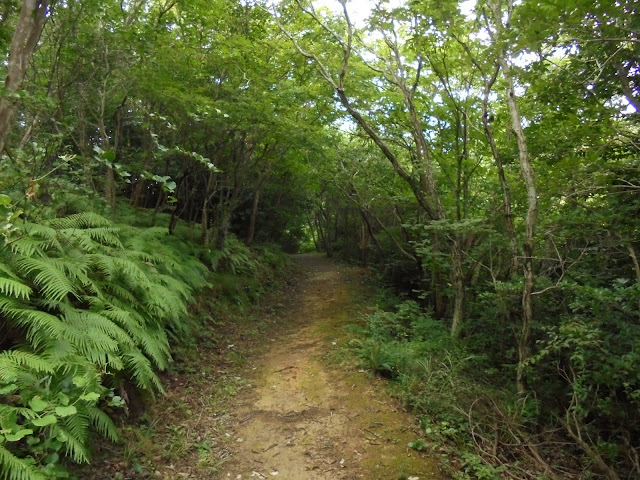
(307,418)
(283,403)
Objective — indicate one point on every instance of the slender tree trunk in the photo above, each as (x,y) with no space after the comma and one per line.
(364,244)
(204,214)
(136,197)
(506,189)
(372,235)
(25,38)
(222,231)
(526,169)
(458,287)
(436,282)
(252,218)
(636,267)
(524,351)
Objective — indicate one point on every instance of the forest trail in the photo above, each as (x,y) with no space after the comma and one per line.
(308,418)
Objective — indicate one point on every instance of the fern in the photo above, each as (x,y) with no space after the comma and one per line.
(52,280)
(91,298)
(73,440)
(14,468)
(14,288)
(142,371)
(47,234)
(102,423)
(28,246)
(81,220)
(12,361)
(91,239)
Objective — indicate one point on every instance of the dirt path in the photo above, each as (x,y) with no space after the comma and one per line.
(271,393)
(307,418)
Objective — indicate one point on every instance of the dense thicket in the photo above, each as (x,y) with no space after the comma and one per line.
(482,155)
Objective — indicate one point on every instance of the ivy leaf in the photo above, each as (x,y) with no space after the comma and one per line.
(66,411)
(37,404)
(44,421)
(90,397)
(19,435)
(8,389)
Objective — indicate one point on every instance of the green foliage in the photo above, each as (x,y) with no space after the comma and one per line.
(89,302)
(434,375)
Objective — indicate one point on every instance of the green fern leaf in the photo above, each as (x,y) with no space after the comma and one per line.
(81,220)
(4,268)
(28,246)
(51,279)
(6,411)
(74,446)
(14,468)
(14,288)
(46,233)
(142,371)
(103,424)
(14,361)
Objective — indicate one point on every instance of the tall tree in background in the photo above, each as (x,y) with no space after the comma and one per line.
(29,25)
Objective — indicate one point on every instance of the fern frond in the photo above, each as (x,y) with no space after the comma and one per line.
(40,326)
(8,410)
(91,343)
(165,304)
(28,246)
(91,239)
(91,321)
(176,285)
(51,279)
(74,447)
(8,271)
(131,270)
(12,361)
(43,232)
(140,368)
(103,424)
(120,293)
(81,220)
(14,468)
(14,288)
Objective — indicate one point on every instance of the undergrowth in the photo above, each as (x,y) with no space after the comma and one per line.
(89,306)
(463,416)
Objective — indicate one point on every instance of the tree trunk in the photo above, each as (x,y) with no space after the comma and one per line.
(25,38)
(530,223)
(136,197)
(204,214)
(506,189)
(458,286)
(222,231)
(252,218)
